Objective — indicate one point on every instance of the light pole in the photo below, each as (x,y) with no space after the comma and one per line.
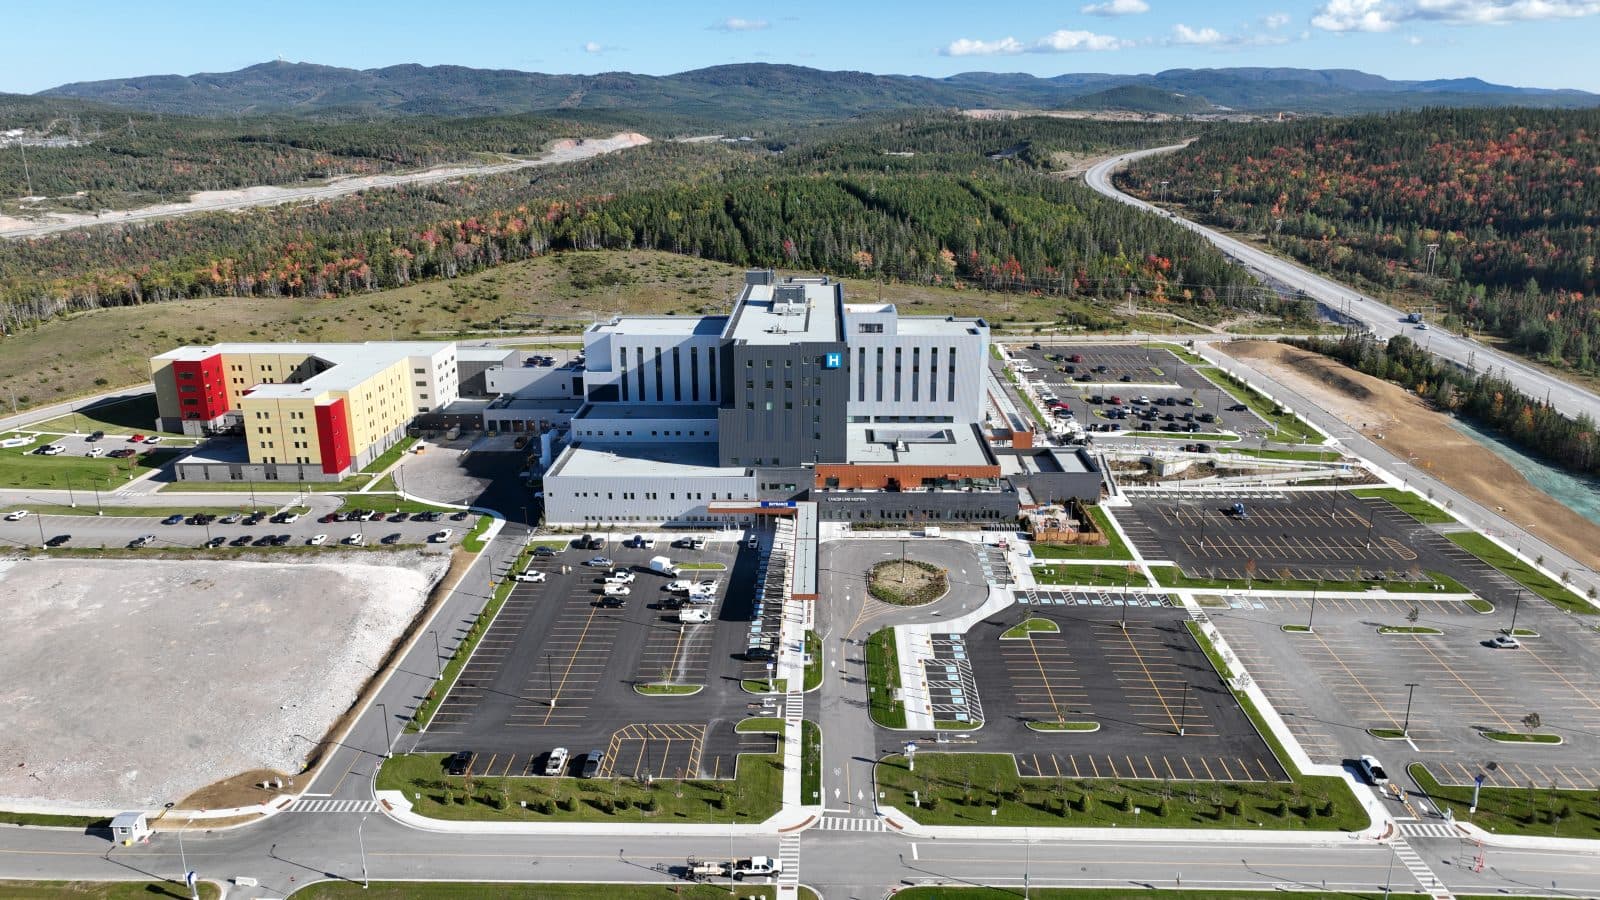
(1388,878)
(1313,615)
(550,680)
(1516,604)
(1183,717)
(438,657)
(362,841)
(183,860)
(384,710)
(1405,729)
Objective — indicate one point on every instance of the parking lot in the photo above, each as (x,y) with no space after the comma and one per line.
(1321,535)
(558,667)
(111,530)
(1130,373)
(1134,669)
(1333,685)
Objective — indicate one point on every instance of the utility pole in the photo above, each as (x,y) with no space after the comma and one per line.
(23,146)
(384,712)
(360,839)
(1405,729)
(1516,605)
(1433,250)
(1313,616)
(1183,717)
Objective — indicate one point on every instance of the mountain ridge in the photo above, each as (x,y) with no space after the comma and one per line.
(758,91)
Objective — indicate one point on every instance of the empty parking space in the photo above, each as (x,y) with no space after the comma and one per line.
(560,668)
(952,689)
(1132,669)
(1446,690)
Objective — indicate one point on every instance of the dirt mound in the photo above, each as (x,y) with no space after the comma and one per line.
(1413,430)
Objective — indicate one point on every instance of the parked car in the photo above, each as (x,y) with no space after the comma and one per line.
(356,540)
(556,763)
(95,436)
(620,576)
(460,762)
(143,540)
(174,519)
(460,516)
(228,519)
(242,540)
(136,439)
(1505,642)
(121,453)
(317,540)
(611,602)
(544,550)
(535,577)
(17,515)
(612,589)
(599,562)
(399,517)
(758,654)
(441,536)
(642,542)
(96,451)
(754,543)
(678,587)
(216,542)
(153,439)
(589,766)
(58,540)
(391,538)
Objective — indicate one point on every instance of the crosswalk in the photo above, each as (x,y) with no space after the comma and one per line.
(789,858)
(1419,869)
(325,805)
(1428,829)
(848,823)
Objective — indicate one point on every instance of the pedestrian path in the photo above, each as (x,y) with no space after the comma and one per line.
(324,805)
(1428,829)
(789,858)
(848,823)
(1419,869)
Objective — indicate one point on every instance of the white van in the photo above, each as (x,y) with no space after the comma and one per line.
(663,566)
(694,616)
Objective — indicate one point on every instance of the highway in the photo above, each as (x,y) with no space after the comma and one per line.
(1383,320)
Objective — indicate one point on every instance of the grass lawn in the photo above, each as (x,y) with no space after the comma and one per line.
(1212,654)
(703,566)
(1295,455)
(87,508)
(1096,575)
(1172,576)
(753,795)
(108,890)
(810,762)
(390,503)
(1182,353)
(389,457)
(1298,629)
(813,678)
(474,542)
(53,821)
(883,679)
(1290,429)
(1115,549)
(962,788)
(1386,734)
(452,669)
(760,725)
(1522,737)
(763,686)
(1038,417)
(1520,572)
(668,690)
(1414,505)
(1520,810)
(1064,726)
(943,892)
(20,468)
(1029,626)
(462,890)
(115,416)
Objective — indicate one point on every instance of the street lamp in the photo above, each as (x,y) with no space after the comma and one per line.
(1313,615)
(360,839)
(1516,605)
(183,860)
(1405,729)
(438,657)
(1183,717)
(384,710)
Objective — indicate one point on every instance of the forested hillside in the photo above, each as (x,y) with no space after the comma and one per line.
(123,160)
(841,203)
(1508,198)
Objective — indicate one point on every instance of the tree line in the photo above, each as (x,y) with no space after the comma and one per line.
(1491,213)
(1488,400)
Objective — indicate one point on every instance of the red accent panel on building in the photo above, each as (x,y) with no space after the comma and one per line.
(333,436)
(202,392)
(896,477)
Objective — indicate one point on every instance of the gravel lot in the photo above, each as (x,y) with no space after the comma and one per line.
(130,683)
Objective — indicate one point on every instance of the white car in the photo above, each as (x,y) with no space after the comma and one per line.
(96,451)
(1505,642)
(18,515)
(613,589)
(356,540)
(620,578)
(288,518)
(557,763)
(1372,770)
(679,587)
(442,535)
(53,450)
(153,439)
(694,616)
(318,540)
(535,577)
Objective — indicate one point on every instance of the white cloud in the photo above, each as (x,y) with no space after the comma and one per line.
(1383,15)
(1063,41)
(735,23)
(1275,20)
(593,47)
(970,47)
(1413,40)
(1183,34)
(1117,8)
(1066,41)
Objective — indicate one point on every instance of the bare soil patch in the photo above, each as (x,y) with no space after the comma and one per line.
(1411,428)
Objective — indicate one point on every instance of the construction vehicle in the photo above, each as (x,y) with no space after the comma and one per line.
(705,869)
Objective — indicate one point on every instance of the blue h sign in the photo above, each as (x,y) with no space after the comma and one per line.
(833,360)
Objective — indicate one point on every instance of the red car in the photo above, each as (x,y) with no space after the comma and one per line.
(137,439)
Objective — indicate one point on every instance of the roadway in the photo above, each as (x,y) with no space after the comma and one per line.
(1383,320)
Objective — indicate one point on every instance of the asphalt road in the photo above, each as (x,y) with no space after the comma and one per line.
(1384,321)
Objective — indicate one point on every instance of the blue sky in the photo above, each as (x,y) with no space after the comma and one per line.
(1537,43)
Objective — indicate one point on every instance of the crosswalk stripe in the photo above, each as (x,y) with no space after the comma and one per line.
(848,823)
(335,806)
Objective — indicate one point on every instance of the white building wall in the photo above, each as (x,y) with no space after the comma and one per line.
(435,379)
(909,375)
(533,382)
(605,432)
(597,500)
